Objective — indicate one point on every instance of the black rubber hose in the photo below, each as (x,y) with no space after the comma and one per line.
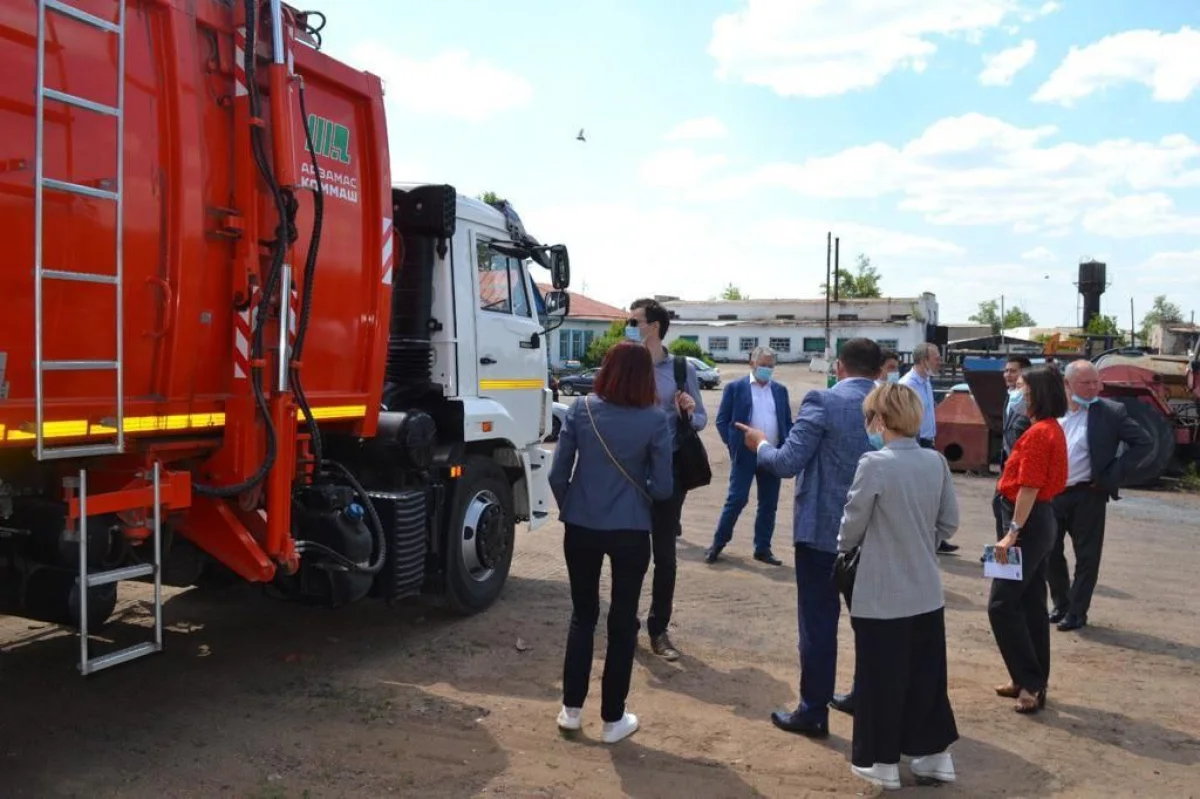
(373,567)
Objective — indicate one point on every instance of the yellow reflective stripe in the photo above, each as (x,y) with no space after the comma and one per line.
(80,428)
(511,385)
(336,412)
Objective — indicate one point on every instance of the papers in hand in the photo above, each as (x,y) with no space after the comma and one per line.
(1002,571)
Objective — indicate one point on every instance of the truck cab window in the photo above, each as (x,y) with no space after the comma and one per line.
(495,293)
(520,297)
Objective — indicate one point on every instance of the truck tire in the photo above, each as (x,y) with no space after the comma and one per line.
(479,536)
(1160,432)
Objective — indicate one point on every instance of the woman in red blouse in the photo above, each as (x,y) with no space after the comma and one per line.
(1034,474)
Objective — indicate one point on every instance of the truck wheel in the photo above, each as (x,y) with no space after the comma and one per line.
(1161,433)
(480,536)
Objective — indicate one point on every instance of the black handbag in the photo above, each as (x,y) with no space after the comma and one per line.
(692,469)
(845,568)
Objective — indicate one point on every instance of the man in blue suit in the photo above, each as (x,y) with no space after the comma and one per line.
(759,402)
(823,448)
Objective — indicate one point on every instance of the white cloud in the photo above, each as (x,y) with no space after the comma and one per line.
(824,48)
(679,167)
(693,252)
(1169,267)
(1000,68)
(453,84)
(1039,253)
(701,128)
(1141,215)
(978,170)
(1167,63)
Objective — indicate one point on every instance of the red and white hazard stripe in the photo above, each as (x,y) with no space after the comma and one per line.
(293,313)
(389,250)
(239,62)
(243,326)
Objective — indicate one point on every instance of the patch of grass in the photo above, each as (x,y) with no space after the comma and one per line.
(1191,479)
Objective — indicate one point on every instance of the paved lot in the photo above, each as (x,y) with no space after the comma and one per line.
(255,698)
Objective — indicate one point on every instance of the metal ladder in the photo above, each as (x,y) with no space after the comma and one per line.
(41,274)
(88,664)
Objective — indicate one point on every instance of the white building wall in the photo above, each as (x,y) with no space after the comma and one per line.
(877,310)
(794,343)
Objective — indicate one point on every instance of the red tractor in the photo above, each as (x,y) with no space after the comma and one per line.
(1162,392)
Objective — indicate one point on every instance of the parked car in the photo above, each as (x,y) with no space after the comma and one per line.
(560,414)
(578,384)
(709,376)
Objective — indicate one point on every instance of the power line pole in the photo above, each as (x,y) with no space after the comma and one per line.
(828,288)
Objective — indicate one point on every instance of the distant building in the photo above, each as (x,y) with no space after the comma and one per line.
(1174,338)
(795,329)
(967,330)
(588,320)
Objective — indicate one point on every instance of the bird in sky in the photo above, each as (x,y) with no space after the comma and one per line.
(580,136)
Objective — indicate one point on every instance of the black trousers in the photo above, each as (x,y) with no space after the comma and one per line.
(1081,514)
(628,552)
(665,527)
(1017,610)
(901,705)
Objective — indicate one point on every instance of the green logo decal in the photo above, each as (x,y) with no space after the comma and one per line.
(330,139)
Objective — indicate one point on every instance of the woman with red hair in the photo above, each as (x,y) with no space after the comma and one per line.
(613,459)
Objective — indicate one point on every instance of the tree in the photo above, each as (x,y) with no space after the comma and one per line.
(1161,311)
(1107,326)
(600,346)
(732,292)
(861,284)
(989,314)
(688,348)
(491,198)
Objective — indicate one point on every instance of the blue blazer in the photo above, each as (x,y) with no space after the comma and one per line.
(823,450)
(737,406)
(590,490)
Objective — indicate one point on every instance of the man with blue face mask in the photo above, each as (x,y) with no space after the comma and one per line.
(1016,422)
(890,372)
(1095,429)
(763,404)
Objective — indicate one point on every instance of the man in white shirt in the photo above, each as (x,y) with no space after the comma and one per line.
(1095,428)
(760,402)
(927,362)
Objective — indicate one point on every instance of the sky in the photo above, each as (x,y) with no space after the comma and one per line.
(972,148)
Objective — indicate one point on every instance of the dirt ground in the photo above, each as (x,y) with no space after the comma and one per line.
(255,698)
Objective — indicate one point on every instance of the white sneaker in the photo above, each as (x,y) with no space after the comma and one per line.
(569,718)
(939,767)
(885,775)
(615,731)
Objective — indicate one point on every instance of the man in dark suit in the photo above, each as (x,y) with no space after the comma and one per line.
(823,448)
(759,402)
(1095,429)
(1016,422)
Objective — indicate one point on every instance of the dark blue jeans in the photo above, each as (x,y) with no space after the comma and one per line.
(818,607)
(740,477)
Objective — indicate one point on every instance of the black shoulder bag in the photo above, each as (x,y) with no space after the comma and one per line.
(692,469)
(844,570)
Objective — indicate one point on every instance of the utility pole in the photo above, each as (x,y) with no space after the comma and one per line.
(828,288)
(837,272)
(1132,325)
(1002,347)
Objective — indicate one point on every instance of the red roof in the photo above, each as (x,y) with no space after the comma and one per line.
(586,308)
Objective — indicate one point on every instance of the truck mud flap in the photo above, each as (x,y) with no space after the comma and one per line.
(536,461)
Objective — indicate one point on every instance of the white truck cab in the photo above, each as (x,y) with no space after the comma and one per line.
(490,341)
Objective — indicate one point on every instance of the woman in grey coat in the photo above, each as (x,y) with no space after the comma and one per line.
(900,508)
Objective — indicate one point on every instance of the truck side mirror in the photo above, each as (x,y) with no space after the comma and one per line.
(558,304)
(560,267)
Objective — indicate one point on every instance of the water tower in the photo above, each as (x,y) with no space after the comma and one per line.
(1092,283)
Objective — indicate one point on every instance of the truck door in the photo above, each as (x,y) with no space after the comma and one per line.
(508,341)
